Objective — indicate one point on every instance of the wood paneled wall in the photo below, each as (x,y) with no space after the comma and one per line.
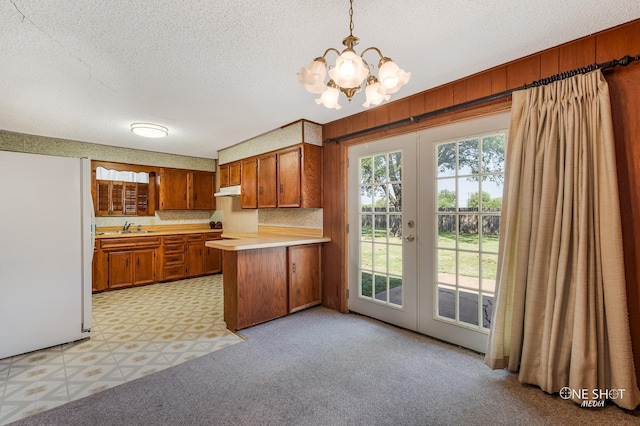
(624,84)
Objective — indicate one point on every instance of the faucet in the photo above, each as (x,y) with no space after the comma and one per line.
(126,226)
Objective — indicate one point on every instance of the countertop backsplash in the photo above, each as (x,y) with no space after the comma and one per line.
(294,218)
(164,217)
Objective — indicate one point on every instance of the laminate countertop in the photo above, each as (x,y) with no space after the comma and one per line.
(259,240)
(152,232)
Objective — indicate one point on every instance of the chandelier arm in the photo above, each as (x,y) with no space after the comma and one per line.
(371,48)
(329,50)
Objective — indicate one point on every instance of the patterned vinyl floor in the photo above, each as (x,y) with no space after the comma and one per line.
(135,332)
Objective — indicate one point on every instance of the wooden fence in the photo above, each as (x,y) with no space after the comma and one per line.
(468,219)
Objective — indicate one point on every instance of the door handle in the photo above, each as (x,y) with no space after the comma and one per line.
(409,238)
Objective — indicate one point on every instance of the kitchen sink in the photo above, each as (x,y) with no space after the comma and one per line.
(143,231)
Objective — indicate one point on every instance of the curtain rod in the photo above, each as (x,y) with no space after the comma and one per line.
(624,61)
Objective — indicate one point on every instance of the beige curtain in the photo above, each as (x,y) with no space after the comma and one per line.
(560,316)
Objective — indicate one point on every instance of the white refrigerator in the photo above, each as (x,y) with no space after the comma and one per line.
(46,247)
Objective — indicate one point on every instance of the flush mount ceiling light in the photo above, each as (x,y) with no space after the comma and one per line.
(149,130)
(350,72)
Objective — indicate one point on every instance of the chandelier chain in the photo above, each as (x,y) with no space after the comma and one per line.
(351,18)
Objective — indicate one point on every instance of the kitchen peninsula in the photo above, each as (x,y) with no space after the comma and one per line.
(268,275)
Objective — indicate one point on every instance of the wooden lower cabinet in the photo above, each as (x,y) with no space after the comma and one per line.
(264,284)
(133,267)
(144,266)
(255,286)
(195,255)
(124,262)
(305,281)
(212,262)
(173,257)
(130,261)
(120,270)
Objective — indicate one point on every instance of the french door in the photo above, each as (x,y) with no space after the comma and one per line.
(428,262)
(382,230)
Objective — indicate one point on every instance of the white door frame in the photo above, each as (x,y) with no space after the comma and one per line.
(406,315)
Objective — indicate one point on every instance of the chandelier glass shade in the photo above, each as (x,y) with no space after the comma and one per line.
(350,72)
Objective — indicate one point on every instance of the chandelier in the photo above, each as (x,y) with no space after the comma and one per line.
(350,72)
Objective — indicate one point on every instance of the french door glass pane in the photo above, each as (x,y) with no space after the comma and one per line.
(469,184)
(381,228)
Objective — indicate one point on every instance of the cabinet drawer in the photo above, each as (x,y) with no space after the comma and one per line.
(129,242)
(173,239)
(195,238)
(173,248)
(171,272)
(173,259)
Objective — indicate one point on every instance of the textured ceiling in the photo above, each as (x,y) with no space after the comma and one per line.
(219,72)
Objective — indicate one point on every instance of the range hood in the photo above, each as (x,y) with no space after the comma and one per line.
(228,191)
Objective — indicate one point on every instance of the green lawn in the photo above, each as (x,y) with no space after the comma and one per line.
(468,261)
(385,258)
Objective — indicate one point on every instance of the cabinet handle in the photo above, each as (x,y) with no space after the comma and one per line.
(260,192)
(281,188)
(293,267)
(138,261)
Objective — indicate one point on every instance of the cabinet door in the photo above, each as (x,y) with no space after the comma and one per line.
(202,187)
(103,194)
(289,177)
(120,269)
(117,198)
(267,181)
(234,173)
(144,266)
(224,175)
(212,260)
(142,201)
(173,189)
(311,176)
(249,193)
(130,198)
(195,258)
(304,277)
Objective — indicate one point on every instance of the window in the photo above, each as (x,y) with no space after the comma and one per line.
(469,182)
(381,228)
(121,193)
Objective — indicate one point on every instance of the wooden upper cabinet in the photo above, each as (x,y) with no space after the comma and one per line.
(300,176)
(311,176)
(230,174)
(187,190)
(234,173)
(202,188)
(249,191)
(224,175)
(173,189)
(267,181)
(289,177)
